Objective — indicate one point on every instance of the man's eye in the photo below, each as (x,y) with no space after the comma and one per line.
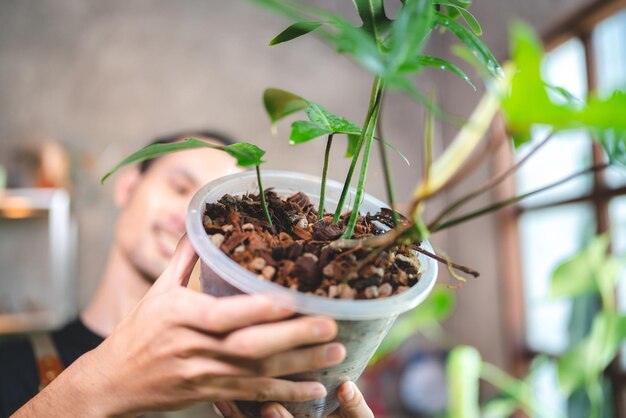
(180,188)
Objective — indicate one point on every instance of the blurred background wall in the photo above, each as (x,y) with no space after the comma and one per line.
(103,78)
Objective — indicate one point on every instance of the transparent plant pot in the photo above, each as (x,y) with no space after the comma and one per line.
(362,323)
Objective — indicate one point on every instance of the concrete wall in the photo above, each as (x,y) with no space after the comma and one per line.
(105,77)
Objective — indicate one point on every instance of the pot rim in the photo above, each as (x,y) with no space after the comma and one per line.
(248,282)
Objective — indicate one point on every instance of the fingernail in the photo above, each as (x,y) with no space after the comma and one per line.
(323,329)
(347,392)
(335,352)
(318,391)
(224,409)
(271,413)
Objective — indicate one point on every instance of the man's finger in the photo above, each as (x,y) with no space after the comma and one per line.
(303,360)
(179,269)
(351,403)
(228,410)
(221,315)
(252,342)
(263,389)
(274,410)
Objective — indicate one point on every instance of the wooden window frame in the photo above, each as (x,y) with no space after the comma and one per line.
(581,26)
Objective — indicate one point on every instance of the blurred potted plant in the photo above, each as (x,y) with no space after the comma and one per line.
(257,240)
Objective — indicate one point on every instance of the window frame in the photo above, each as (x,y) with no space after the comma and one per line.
(581,26)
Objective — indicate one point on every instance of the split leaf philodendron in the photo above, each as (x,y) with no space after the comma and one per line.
(391,50)
(247,155)
(280,103)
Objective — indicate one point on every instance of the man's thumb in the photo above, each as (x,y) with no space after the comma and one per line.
(178,271)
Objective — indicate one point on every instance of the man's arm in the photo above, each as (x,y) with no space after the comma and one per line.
(179,347)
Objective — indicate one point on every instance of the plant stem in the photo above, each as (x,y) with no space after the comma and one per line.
(374,98)
(444,261)
(320,210)
(391,199)
(262,193)
(354,216)
(489,184)
(514,199)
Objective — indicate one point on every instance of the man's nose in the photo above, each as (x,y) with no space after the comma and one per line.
(177,220)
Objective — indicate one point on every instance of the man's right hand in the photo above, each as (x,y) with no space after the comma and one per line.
(179,347)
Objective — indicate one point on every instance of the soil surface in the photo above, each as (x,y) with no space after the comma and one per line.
(296,252)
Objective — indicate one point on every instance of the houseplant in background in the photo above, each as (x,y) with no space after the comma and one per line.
(384,253)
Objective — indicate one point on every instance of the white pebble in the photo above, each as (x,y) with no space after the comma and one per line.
(333,291)
(239,249)
(247,227)
(217,240)
(311,256)
(320,292)
(371,292)
(385,290)
(329,270)
(346,292)
(268,272)
(302,223)
(257,264)
(227,228)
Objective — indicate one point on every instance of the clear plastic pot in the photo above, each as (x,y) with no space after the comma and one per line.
(362,323)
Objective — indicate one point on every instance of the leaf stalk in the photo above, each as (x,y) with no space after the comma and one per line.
(262,193)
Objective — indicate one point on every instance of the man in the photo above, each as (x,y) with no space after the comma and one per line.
(167,347)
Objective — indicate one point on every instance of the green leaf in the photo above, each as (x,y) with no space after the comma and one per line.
(471,41)
(353,142)
(467,16)
(360,45)
(280,103)
(471,22)
(330,121)
(409,31)
(577,275)
(528,102)
(463,4)
(614,143)
(372,13)
(565,95)
(435,309)
(500,407)
(587,360)
(245,154)
(464,365)
(295,31)
(420,61)
(304,131)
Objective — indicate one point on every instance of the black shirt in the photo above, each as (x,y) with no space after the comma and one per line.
(19,378)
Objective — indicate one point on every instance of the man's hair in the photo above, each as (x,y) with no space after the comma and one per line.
(168,139)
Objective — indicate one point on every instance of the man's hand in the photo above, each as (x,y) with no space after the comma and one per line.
(178,347)
(351,405)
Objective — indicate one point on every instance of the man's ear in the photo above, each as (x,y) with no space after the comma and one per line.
(127,181)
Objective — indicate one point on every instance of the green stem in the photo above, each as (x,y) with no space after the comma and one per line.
(262,193)
(374,97)
(391,199)
(320,210)
(519,390)
(514,199)
(489,184)
(369,138)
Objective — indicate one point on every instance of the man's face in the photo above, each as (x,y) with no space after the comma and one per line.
(154,205)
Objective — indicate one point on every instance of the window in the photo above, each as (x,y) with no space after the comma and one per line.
(587,54)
